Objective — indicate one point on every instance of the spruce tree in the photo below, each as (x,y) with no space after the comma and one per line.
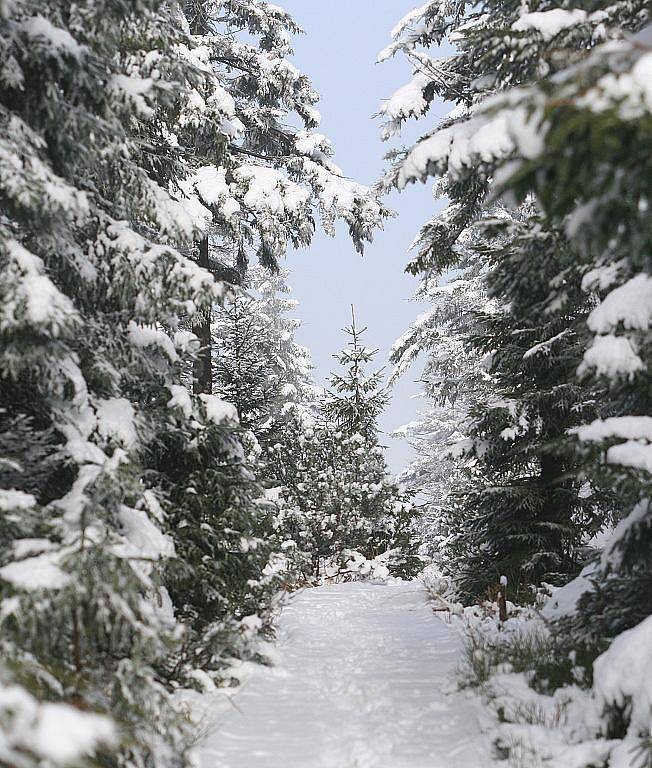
(373,515)
(122,151)
(94,289)
(528,531)
(591,172)
(267,186)
(453,379)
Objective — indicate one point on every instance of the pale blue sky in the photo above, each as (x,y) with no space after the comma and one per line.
(338,52)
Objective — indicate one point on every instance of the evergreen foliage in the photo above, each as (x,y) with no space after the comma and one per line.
(373,514)
(523,509)
(143,151)
(599,112)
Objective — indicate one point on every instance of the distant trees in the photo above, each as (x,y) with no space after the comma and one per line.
(317,453)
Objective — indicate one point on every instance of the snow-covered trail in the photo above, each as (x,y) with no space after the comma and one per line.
(361,682)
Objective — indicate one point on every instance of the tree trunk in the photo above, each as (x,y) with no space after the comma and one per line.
(202,367)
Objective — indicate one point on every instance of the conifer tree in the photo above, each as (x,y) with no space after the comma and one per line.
(533,467)
(258,366)
(93,288)
(130,518)
(266,374)
(271,181)
(453,379)
(591,172)
(372,514)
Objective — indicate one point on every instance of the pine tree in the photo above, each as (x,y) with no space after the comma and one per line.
(591,172)
(500,46)
(94,288)
(373,515)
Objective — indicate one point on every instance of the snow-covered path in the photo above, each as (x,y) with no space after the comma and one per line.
(361,682)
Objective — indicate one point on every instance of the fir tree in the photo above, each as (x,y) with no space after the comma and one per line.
(372,514)
(591,173)
(93,288)
(500,46)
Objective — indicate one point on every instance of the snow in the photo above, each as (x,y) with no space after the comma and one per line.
(545,347)
(363,679)
(41,29)
(134,90)
(611,356)
(40,572)
(624,427)
(488,136)
(150,336)
(410,18)
(58,733)
(564,599)
(219,411)
(64,733)
(36,300)
(23,547)
(358,564)
(549,23)
(115,419)
(612,553)
(408,100)
(207,186)
(623,675)
(341,196)
(631,454)
(632,429)
(144,539)
(186,341)
(180,399)
(628,92)
(12,500)
(629,304)
(269,191)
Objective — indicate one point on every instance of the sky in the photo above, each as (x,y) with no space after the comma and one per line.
(338,53)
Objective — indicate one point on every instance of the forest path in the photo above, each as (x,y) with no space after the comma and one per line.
(363,680)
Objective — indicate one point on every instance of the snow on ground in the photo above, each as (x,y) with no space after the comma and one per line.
(363,679)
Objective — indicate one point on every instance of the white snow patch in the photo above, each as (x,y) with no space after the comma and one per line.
(408,100)
(57,733)
(363,679)
(144,539)
(41,29)
(611,356)
(219,411)
(12,500)
(150,336)
(629,304)
(549,23)
(564,600)
(35,299)
(624,427)
(40,572)
(180,399)
(64,733)
(116,419)
(623,675)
